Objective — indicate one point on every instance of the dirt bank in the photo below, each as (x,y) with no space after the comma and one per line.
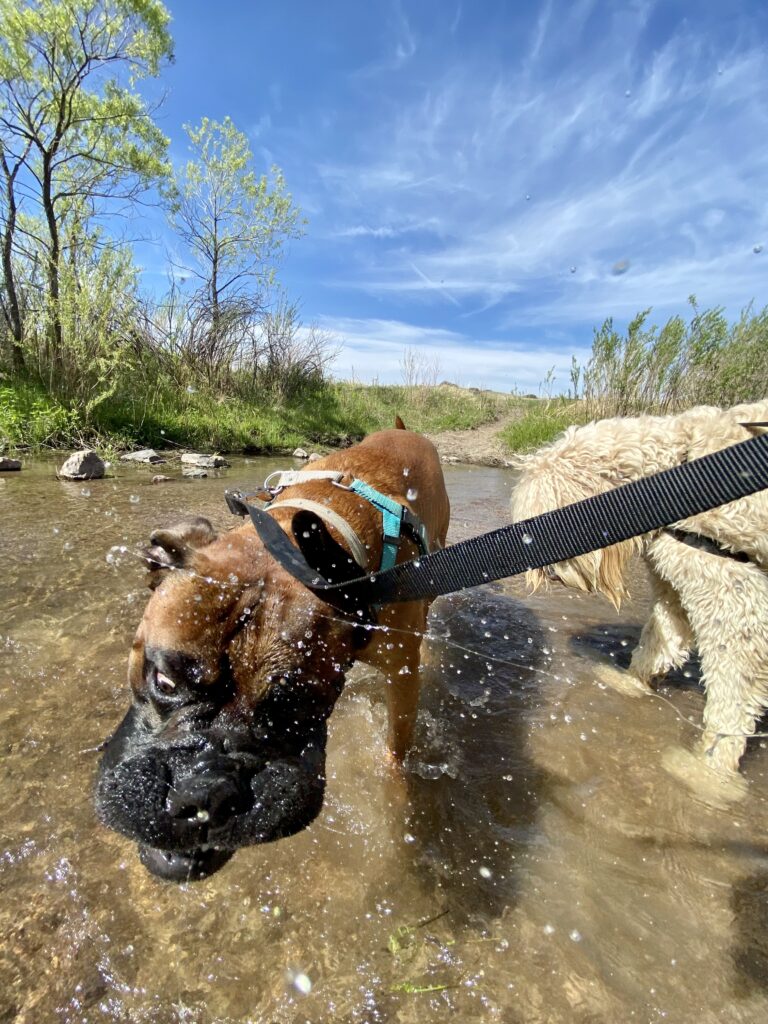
(480,445)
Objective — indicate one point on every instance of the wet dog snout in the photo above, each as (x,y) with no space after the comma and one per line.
(208,798)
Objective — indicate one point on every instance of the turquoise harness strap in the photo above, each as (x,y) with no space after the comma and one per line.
(392,519)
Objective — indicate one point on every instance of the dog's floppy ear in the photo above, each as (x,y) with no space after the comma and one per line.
(399,425)
(173,547)
(321,551)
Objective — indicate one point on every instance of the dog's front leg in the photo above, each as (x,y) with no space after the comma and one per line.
(667,638)
(726,603)
(396,653)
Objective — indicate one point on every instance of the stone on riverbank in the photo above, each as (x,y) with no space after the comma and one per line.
(83,465)
(9,465)
(145,455)
(206,461)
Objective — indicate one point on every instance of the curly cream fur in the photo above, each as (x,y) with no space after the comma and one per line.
(717,604)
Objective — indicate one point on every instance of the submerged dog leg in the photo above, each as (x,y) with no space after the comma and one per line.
(725,602)
(666,639)
(397,655)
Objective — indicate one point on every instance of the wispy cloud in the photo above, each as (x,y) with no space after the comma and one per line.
(374,349)
(400,46)
(477,170)
(533,174)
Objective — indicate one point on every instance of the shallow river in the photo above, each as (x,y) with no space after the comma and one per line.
(535,864)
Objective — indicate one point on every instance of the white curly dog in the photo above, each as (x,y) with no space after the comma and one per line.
(703,596)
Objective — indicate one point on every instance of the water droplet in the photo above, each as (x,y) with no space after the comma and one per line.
(203,815)
(628,92)
(406,471)
(408,838)
(411,494)
(134,499)
(162,432)
(575,935)
(549,929)
(620,267)
(300,981)
(485,872)
(573,270)
(86,492)
(191,390)
(527,538)
(757,248)
(527,196)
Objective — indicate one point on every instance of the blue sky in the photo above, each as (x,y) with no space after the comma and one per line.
(486,182)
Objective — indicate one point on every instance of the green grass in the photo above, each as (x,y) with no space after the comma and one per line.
(332,415)
(540,423)
(30,418)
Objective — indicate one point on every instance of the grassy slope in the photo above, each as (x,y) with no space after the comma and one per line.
(335,415)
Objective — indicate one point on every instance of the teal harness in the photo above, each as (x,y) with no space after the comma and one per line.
(394,517)
(397,520)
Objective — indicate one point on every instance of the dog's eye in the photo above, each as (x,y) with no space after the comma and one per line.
(166,693)
(164,684)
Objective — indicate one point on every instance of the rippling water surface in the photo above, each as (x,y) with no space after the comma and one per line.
(535,864)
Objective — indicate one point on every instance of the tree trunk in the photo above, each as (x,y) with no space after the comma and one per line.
(11,306)
(55,331)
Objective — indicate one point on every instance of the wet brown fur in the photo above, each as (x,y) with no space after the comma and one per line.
(198,609)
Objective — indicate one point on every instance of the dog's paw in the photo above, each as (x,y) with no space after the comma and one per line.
(718,789)
(621,681)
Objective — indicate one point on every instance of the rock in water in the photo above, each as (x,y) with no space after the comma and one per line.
(145,455)
(206,461)
(84,465)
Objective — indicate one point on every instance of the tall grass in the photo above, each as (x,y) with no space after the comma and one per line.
(659,370)
(663,370)
(162,416)
(540,422)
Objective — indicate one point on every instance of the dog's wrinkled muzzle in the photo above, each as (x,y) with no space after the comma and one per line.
(183,867)
(189,805)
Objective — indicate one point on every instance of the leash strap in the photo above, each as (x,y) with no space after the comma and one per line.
(631,510)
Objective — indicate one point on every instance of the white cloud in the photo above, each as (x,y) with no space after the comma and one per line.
(373,350)
(668,177)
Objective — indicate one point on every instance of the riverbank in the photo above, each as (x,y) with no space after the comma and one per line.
(467,425)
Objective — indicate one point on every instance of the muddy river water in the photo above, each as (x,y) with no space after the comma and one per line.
(535,863)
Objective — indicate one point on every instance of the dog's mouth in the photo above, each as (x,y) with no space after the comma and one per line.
(187,866)
(190,806)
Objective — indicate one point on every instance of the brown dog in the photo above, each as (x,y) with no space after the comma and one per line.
(236,666)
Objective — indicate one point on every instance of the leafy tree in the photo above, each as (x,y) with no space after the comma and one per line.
(233,223)
(75,136)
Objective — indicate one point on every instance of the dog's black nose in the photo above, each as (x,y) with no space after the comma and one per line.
(208,799)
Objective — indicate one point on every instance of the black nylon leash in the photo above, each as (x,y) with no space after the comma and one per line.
(631,510)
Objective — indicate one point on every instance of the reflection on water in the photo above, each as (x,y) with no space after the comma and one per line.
(537,865)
